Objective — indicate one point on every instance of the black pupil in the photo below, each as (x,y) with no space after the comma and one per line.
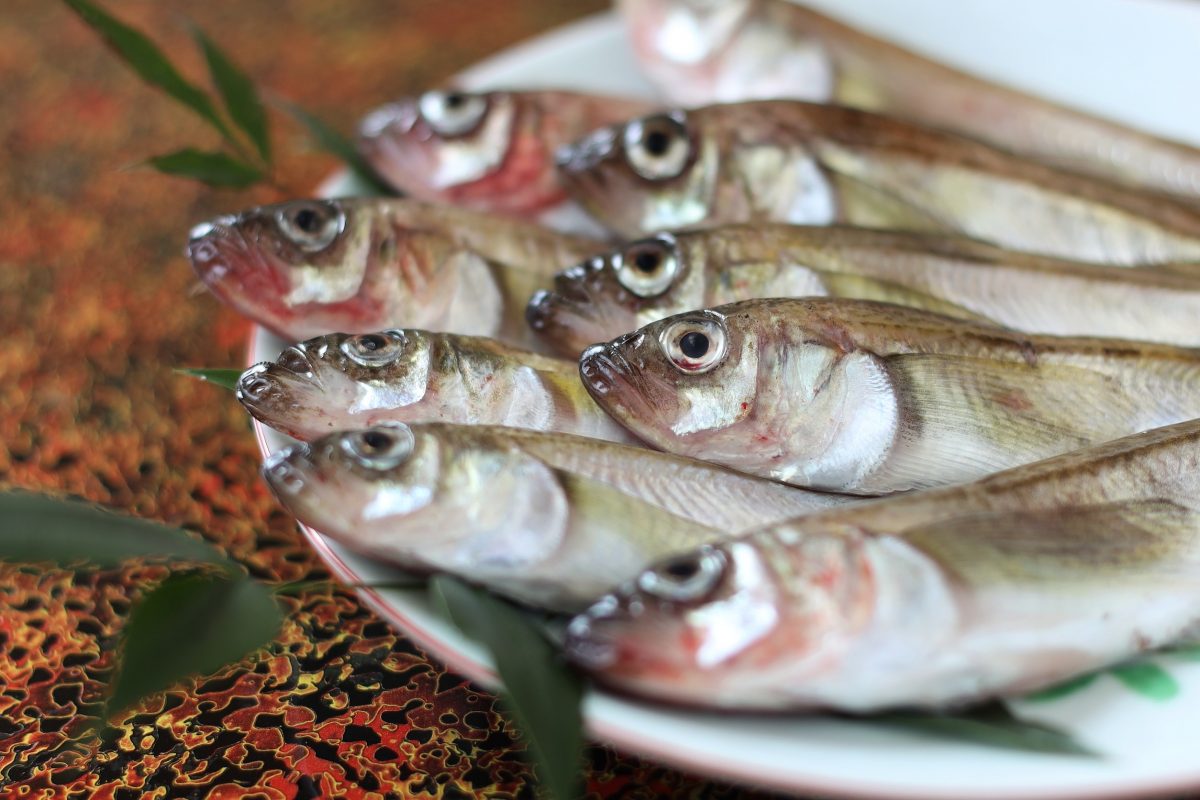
(694,344)
(308,220)
(455,100)
(657,143)
(376,440)
(371,343)
(647,261)
(682,570)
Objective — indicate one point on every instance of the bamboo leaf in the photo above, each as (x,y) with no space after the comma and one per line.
(993,725)
(225,378)
(190,624)
(214,169)
(1149,680)
(148,61)
(334,143)
(39,529)
(543,695)
(238,93)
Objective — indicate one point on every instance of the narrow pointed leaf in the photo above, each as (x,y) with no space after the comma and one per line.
(238,93)
(993,725)
(191,624)
(148,61)
(214,169)
(225,378)
(334,143)
(1149,680)
(39,529)
(543,695)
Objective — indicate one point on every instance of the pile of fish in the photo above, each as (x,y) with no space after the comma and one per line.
(792,403)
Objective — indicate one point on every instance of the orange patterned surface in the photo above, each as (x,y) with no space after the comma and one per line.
(96,308)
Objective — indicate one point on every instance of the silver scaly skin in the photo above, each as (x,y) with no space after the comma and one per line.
(700,52)
(935,599)
(343,381)
(808,164)
(671,273)
(310,267)
(551,520)
(871,398)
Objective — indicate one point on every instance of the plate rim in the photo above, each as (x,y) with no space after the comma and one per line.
(602,729)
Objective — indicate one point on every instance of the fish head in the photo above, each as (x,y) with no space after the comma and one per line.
(444,144)
(339,381)
(427,497)
(308,267)
(653,173)
(606,296)
(707,627)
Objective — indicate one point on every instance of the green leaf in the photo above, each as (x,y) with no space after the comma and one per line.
(215,169)
(238,92)
(329,140)
(1064,689)
(543,695)
(148,61)
(39,529)
(1149,680)
(226,378)
(188,625)
(993,725)
(1187,652)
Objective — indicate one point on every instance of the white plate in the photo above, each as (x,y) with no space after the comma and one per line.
(1076,50)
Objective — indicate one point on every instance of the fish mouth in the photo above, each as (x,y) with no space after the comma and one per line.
(603,370)
(268,389)
(583,156)
(284,473)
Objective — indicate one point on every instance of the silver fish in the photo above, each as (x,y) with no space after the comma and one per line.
(343,382)
(935,599)
(551,520)
(865,397)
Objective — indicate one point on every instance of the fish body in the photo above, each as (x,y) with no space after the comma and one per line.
(311,267)
(551,520)
(934,599)
(700,53)
(345,382)
(647,280)
(489,151)
(865,397)
(811,164)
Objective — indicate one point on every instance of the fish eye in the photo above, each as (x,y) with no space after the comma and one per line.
(311,226)
(379,448)
(648,268)
(694,345)
(374,349)
(685,579)
(452,114)
(658,148)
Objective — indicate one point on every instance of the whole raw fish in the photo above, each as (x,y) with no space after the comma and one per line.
(646,280)
(311,267)
(549,519)
(491,151)
(865,397)
(809,164)
(999,587)
(699,53)
(342,382)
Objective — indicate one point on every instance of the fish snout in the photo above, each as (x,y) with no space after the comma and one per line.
(284,470)
(540,310)
(207,245)
(601,368)
(585,154)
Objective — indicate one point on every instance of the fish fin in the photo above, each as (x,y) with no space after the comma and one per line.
(1146,540)
(865,205)
(967,417)
(861,287)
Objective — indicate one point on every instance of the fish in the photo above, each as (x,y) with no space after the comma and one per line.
(861,397)
(700,53)
(551,520)
(311,267)
(935,599)
(351,381)
(488,151)
(669,273)
(812,164)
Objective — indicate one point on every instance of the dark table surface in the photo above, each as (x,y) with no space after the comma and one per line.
(96,308)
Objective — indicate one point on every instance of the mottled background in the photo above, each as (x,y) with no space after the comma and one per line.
(96,308)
